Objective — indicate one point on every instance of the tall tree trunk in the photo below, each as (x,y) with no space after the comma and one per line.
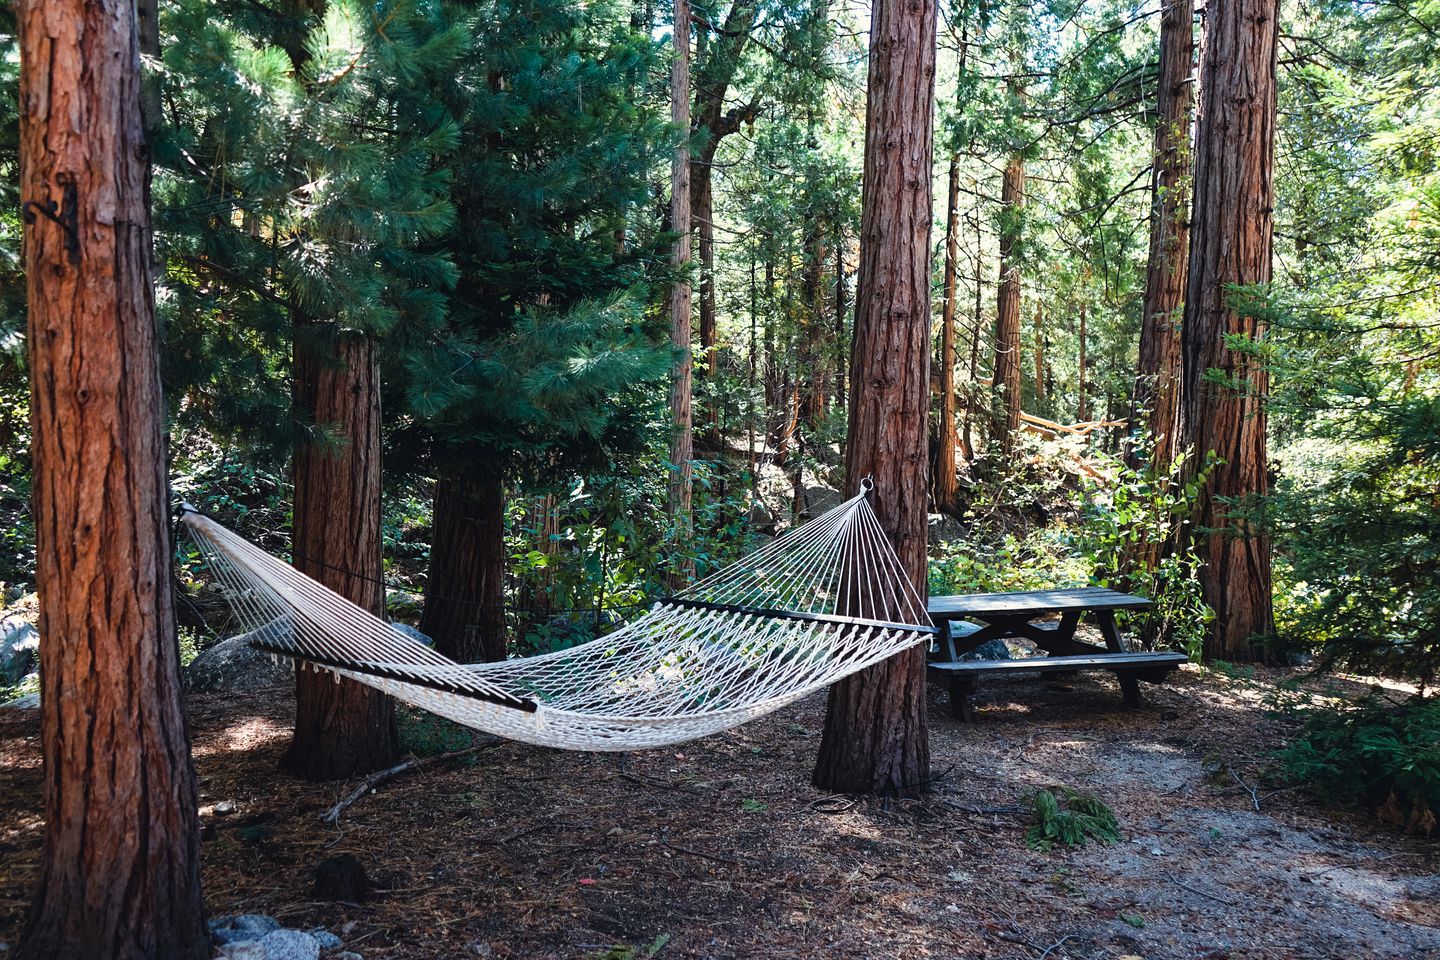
(1231,244)
(840,344)
(465,593)
(814,339)
(341,728)
(875,737)
(1156,400)
(703,211)
(717,62)
(1007,309)
(946,484)
(682,439)
(120,868)
(1039,355)
(1082,408)
(967,439)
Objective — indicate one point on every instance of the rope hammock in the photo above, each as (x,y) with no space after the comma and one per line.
(824,601)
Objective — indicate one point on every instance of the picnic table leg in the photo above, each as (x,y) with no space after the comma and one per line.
(1063,638)
(1129,687)
(1105,620)
(961,690)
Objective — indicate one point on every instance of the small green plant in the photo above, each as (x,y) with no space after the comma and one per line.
(1071,818)
(425,735)
(750,805)
(1374,754)
(628,952)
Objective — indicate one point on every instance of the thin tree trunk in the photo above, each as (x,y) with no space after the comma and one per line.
(706,371)
(119,870)
(1007,309)
(875,738)
(1231,244)
(1082,410)
(465,593)
(840,344)
(814,346)
(717,61)
(967,439)
(1039,355)
(682,439)
(1156,400)
(946,484)
(341,728)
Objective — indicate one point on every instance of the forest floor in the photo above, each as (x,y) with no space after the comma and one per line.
(722,849)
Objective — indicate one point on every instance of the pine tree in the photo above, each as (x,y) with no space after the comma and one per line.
(301,182)
(1232,244)
(531,376)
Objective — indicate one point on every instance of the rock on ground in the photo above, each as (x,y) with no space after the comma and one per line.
(235,665)
(405,630)
(30,701)
(19,649)
(989,650)
(290,945)
(242,927)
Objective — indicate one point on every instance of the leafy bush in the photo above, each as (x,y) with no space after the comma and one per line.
(1036,560)
(1125,525)
(1359,520)
(1072,818)
(1374,754)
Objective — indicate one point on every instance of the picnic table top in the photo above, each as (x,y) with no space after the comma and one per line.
(1034,602)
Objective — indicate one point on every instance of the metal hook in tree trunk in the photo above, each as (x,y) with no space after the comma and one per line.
(65,215)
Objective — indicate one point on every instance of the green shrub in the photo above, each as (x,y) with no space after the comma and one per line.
(1124,524)
(1377,755)
(1072,818)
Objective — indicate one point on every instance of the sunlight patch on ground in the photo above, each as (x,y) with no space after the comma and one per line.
(244,735)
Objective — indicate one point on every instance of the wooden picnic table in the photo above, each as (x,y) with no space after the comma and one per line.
(1015,614)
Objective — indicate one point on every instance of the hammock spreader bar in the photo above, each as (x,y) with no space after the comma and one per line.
(392,673)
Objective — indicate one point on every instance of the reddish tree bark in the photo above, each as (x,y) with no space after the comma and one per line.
(682,436)
(343,728)
(814,334)
(465,593)
(1156,400)
(1231,244)
(946,483)
(1007,309)
(119,872)
(839,343)
(875,738)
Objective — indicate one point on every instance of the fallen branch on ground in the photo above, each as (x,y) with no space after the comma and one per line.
(382,776)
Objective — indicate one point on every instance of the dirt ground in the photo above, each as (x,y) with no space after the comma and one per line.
(723,849)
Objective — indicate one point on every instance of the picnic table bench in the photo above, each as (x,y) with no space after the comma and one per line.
(1006,615)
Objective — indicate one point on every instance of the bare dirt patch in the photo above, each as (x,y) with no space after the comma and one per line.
(722,849)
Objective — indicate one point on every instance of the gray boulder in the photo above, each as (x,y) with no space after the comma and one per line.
(326,939)
(820,498)
(241,950)
(290,945)
(19,649)
(990,650)
(235,665)
(945,529)
(405,630)
(242,927)
(30,701)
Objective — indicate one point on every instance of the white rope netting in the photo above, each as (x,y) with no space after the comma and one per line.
(822,602)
